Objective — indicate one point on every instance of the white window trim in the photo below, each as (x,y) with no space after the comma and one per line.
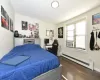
(74,23)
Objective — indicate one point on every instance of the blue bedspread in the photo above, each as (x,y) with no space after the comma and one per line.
(40,62)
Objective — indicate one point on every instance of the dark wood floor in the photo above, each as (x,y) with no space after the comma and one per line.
(73,71)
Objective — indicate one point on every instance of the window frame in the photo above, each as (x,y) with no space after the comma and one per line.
(74,23)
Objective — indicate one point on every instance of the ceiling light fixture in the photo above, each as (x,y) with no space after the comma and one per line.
(55,4)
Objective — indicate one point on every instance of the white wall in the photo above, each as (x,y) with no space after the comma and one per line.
(79,54)
(43,26)
(6,36)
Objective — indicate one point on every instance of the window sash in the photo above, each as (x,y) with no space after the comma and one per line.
(70,38)
(81,28)
(70,33)
(75,35)
(70,27)
(82,43)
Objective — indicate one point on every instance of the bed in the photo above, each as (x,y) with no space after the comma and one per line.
(40,64)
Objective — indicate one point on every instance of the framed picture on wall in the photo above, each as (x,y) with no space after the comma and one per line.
(24,25)
(50,33)
(11,25)
(47,33)
(60,32)
(96,19)
(4,19)
(37,30)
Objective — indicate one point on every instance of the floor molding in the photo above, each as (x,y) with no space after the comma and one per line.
(96,69)
(76,61)
(64,77)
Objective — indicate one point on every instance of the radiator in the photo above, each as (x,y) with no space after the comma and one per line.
(89,64)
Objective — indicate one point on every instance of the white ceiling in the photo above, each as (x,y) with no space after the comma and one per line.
(42,9)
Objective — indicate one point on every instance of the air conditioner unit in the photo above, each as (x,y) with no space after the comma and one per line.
(70,43)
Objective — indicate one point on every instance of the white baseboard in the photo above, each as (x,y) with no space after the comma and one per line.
(64,77)
(96,69)
(76,61)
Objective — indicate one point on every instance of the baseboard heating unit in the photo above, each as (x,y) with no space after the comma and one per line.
(77,60)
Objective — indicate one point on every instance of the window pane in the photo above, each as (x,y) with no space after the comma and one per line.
(70,33)
(80,41)
(47,33)
(70,27)
(69,43)
(80,28)
(70,38)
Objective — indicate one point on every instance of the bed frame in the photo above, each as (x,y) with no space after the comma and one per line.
(54,74)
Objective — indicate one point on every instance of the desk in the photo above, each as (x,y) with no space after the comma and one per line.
(48,46)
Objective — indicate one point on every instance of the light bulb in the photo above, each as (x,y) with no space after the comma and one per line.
(55,4)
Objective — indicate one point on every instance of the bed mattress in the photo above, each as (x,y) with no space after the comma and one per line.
(40,61)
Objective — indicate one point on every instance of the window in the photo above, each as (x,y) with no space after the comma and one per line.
(80,34)
(75,35)
(70,35)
